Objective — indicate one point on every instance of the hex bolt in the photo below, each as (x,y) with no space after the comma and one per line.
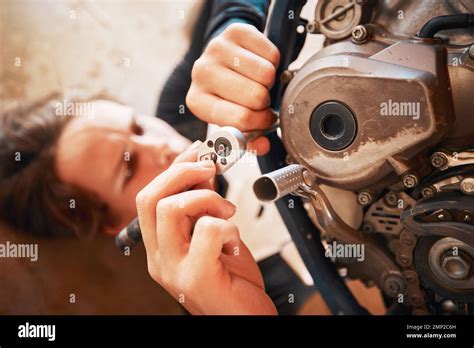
(455,267)
(365,198)
(467,186)
(312,27)
(410,180)
(359,34)
(428,192)
(439,160)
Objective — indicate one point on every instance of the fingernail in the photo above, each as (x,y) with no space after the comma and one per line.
(207,164)
(232,206)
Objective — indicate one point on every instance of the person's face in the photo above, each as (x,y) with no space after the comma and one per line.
(115,154)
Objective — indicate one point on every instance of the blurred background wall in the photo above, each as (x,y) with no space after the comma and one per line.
(126,47)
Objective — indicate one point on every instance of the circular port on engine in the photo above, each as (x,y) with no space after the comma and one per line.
(333,126)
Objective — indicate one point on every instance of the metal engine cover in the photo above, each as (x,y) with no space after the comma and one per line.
(390,106)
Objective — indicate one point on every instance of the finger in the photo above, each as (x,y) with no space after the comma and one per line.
(246,63)
(250,38)
(212,236)
(176,215)
(179,177)
(190,154)
(242,264)
(232,86)
(215,110)
(261,146)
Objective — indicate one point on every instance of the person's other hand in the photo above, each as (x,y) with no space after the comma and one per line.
(192,250)
(231,82)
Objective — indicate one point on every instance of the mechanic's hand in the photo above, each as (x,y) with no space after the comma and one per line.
(192,250)
(231,81)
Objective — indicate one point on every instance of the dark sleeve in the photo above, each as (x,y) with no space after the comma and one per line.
(225,12)
(215,16)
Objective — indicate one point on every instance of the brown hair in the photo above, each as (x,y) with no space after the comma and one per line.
(32,198)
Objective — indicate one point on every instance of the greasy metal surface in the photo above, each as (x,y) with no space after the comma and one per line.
(364,85)
(435,257)
(336,18)
(378,265)
(415,296)
(385,217)
(405,18)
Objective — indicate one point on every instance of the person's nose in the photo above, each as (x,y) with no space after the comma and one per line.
(154,152)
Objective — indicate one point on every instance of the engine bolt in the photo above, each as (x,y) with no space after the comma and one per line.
(393,284)
(428,192)
(365,198)
(410,180)
(368,228)
(359,34)
(467,186)
(391,199)
(286,76)
(439,160)
(312,27)
(455,267)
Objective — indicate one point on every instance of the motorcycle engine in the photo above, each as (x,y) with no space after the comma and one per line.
(389,115)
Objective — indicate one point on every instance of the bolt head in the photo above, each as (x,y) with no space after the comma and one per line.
(359,33)
(312,27)
(394,284)
(439,160)
(427,192)
(410,180)
(456,267)
(391,199)
(467,185)
(364,198)
(286,76)
(368,228)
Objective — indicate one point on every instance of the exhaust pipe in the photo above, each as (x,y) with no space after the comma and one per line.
(272,186)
